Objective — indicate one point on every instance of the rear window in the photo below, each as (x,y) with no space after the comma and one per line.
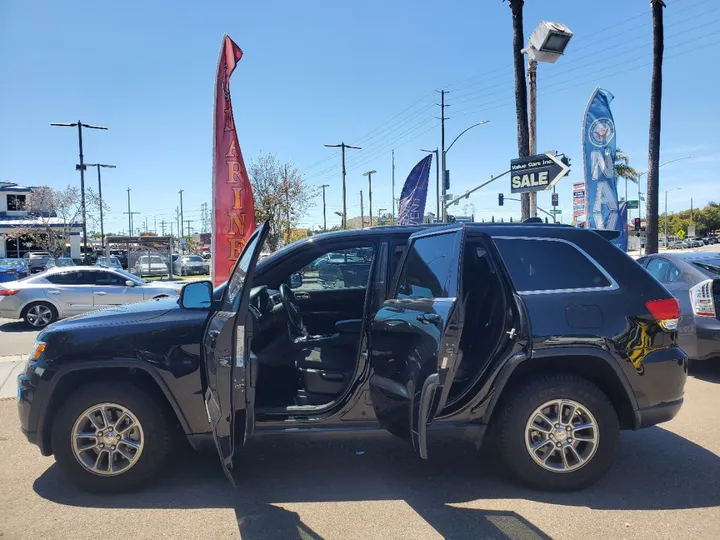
(709,266)
(549,265)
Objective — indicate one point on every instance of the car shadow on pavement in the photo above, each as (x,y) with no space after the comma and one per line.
(17,326)
(707,370)
(655,470)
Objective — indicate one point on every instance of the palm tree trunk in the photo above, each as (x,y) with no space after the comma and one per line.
(653,179)
(521,102)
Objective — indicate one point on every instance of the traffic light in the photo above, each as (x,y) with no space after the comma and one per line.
(450,219)
(501,199)
(565,160)
(636,223)
(554,199)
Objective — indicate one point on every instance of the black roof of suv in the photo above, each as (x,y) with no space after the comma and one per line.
(549,333)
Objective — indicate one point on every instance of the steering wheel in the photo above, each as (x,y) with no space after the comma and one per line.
(289,302)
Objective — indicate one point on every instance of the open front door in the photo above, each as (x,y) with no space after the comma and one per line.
(229,394)
(415,336)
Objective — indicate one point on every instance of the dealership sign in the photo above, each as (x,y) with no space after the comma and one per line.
(536,173)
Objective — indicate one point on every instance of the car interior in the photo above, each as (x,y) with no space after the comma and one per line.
(309,326)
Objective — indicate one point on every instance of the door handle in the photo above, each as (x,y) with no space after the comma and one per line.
(426,318)
(100,293)
(302,296)
(213,335)
(54,292)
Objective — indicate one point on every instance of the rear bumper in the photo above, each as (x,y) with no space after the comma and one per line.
(657,414)
(704,341)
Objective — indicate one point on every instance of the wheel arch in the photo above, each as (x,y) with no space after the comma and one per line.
(596,366)
(54,304)
(76,375)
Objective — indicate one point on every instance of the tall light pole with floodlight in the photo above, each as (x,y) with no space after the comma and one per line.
(547,43)
(99,166)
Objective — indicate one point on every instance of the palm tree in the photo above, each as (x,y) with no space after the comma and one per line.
(653,178)
(624,170)
(521,101)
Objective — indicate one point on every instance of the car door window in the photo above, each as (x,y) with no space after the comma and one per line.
(337,269)
(430,270)
(105,279)
(73,277)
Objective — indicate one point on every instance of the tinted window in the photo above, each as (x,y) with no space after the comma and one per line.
(546,265)
(430,269)
(339,269)
(75,277)
(109,278)
(709,266)
(660,269)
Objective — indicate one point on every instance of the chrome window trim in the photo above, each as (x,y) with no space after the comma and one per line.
(613,284)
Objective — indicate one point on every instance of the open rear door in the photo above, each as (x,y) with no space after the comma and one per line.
(229,394)
(415,336)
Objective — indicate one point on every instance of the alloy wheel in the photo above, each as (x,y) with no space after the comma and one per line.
(107,439)
(39,315)
(562,435)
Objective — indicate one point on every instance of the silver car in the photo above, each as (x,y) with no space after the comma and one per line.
(109,262)
(64,292)
(694,279)
(152,265)
(187,265)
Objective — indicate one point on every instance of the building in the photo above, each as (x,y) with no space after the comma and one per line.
(13,199)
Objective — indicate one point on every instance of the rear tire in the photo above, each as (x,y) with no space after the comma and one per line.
(132,466)
(539,453)
(40,314)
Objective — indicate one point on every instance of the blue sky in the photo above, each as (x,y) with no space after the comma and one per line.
(325,72)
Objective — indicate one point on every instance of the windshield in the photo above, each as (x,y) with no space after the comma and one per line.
(193,259)
(153,260)
(709,266)
(12,263)
(131,277)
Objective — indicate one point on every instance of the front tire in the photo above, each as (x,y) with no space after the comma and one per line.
(558,433)
(40,314)
(110,437)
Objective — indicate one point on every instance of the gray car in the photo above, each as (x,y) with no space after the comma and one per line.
(694,279)
(36,260)
(63,292)
(187,265)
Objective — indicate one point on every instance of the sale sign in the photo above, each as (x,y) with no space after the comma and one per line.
(233,207)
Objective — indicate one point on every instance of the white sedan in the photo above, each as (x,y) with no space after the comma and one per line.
(63,292)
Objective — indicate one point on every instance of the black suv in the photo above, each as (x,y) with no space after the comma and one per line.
(547,337)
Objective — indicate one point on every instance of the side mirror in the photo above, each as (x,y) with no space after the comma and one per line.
(296,280)
(130,283)
(196,295)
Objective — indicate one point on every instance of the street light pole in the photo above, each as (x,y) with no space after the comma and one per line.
(666,215)
(79,126)
(102,225)
(369,175)
(444,156)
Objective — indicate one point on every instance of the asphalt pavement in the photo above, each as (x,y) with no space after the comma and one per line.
(16,337)
(663,485)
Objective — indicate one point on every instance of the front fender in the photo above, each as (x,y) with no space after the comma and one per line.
(46,411)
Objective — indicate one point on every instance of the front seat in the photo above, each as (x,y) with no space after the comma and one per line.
(326,368)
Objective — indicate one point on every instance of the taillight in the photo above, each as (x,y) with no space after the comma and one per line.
(8,292)
(701,299)
(666,312)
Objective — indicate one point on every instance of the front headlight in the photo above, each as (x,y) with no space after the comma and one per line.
(37,351)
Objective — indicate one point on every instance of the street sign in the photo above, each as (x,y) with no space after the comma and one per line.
(555,211)
(536,173)
(632,204)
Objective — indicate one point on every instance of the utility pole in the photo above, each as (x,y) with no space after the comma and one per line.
(442,142)
(287,205)
(177,220)
(130,215)
(182,233)
(691,211)
(362,212)
(155,224)
(172,232)
(189,228)
(99,165)
(392,206)
(324,208)
(532,131)
(204,218)
(81,168)
(162,227)
(369,175)
(146,224)
(342,146)
(438,214)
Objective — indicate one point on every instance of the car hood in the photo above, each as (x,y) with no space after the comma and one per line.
(125,314)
